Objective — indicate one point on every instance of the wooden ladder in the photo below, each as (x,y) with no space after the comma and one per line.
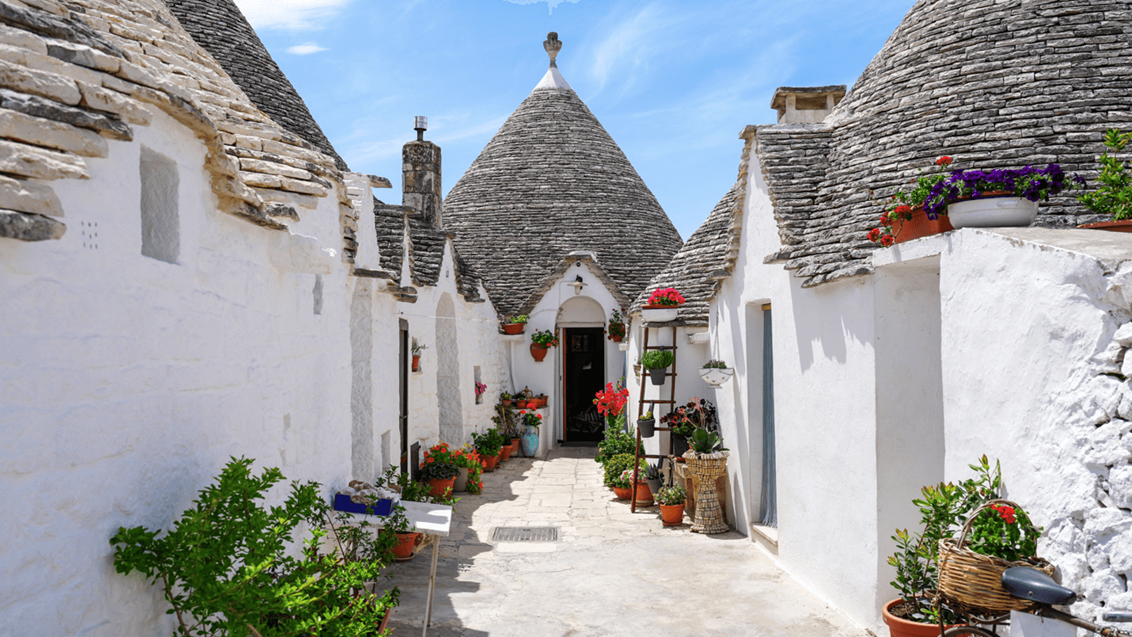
(670,403)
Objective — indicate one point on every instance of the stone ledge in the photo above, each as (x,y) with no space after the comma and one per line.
(25,226)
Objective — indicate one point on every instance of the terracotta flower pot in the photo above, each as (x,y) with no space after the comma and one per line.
(505,453)
(1111,226)
(617,338)
(522,404)
(507,403)
(672,514)
(489,463)
(404,550)
(920,226)
(898,627)
(643,495)
(623,494)
(416,362)
(538,352)
(515,446)
(514,328)
(441,487)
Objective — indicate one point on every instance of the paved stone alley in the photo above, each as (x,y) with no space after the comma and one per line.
(611,572)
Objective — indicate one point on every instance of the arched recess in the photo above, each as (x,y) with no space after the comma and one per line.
(581,311)
(448,373)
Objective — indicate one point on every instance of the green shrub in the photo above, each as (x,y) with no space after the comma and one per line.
(227,567)
(616,442)
(657,359)
(620,463)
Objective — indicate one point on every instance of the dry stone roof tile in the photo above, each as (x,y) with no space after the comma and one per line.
(220,27)
(425,250)
(1028,82)
(89,66)
(550,182)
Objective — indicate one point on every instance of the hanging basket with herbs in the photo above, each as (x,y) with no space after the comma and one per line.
(997,536)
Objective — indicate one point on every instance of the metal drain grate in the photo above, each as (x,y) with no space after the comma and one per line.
(525,534)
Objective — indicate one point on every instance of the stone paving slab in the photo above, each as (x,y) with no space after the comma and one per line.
(612,572)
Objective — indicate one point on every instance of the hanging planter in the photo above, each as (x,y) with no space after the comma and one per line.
(657,361)
(616,329)
(715,373)
(542,340)
(663,306)
(647,425)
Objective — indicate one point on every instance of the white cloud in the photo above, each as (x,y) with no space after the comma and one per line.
(550,4)
(305,49)
(289,14)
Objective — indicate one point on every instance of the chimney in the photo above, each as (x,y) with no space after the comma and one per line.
(805,105)
(420,176)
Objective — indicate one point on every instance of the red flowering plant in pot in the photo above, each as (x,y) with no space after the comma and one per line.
(904,218)
(541,340)
(439,469)
(610,403)
(616,328)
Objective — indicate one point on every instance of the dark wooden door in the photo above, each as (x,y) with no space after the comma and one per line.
(403,392)
(583,376)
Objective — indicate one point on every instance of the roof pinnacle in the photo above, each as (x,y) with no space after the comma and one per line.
(552,45)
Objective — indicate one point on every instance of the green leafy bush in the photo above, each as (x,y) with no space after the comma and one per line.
(227,567)
(616,442)
(657,359)
(1114,195)
(619,463)
(488,444)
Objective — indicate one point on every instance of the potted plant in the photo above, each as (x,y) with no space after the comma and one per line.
(647,425)
(942,510)
(903,218)
(698,413)
(541,340)
(516,324)
(610,402)
(469,468)
(488,445)
(616,329)
(529,439)
(615,467)
(642,495)
(504,420)
(662,306)
(439,470)
(417,349)
(715,373)
(653,477)
(996,198)
(622,484)
(707,461)
(1113,197)
(657,361)
(616,443)
(505,398)
(480,389)
(398,525)
(671,500)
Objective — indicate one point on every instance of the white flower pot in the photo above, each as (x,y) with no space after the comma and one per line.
(659,315)
(992,212)
(716,376)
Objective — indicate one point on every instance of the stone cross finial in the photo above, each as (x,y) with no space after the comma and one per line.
(552,45)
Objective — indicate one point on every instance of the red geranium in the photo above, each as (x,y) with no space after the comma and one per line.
(666,296)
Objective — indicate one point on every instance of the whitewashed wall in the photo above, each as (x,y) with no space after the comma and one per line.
(478,344)
(560,305)
(127,382)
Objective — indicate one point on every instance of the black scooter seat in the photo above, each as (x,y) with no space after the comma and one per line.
(1030,583)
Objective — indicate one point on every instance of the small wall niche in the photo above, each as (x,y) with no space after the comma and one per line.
(476,373)
(160,221)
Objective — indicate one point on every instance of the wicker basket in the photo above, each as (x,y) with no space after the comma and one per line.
(972,582)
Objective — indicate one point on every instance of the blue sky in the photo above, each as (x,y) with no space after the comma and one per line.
(672,81)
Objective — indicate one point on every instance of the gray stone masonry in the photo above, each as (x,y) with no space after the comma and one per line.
(992,83)
(421,180)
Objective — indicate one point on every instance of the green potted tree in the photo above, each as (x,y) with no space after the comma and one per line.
(515,324)
(657,361)
(1113,197)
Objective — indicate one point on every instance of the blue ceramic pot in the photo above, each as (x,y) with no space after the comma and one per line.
(529,441)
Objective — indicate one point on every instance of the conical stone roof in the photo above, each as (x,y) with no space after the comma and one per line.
(550,182)
(992,83)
